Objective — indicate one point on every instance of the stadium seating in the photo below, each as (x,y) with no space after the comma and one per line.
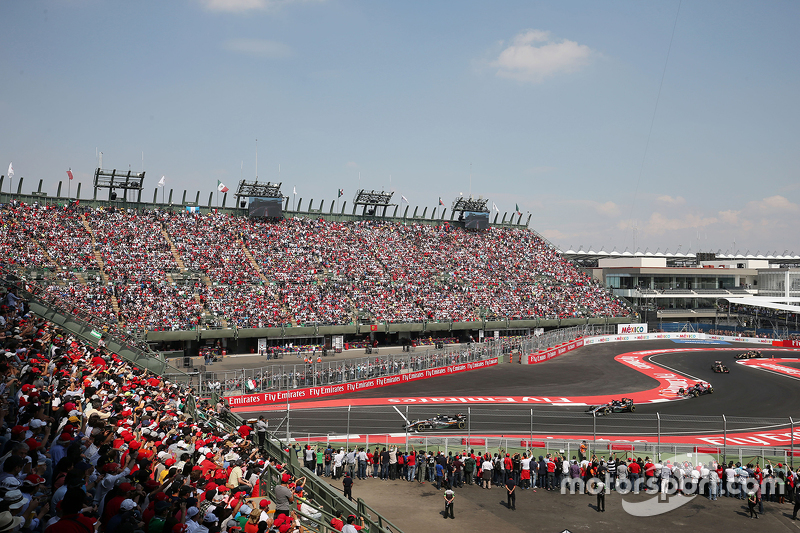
(123,265)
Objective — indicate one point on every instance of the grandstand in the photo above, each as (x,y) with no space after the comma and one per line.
(166,274)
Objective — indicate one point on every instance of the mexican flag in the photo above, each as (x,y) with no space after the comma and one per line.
(516,208)
(440,201)
(221,187)
(341,193)
(251,384)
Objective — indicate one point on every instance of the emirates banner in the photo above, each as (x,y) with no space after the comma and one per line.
(266,398)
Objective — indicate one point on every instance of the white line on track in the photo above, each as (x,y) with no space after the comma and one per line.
(768,370)
(650,358)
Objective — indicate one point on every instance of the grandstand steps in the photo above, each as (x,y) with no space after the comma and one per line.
(44,251)
(174,250)
(81,279)
(252,260)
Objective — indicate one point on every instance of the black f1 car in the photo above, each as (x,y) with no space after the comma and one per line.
(750,354)
(719,368)
(625,405)
(698,389)
(437,422)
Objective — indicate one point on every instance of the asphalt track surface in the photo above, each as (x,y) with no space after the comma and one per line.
(752,399)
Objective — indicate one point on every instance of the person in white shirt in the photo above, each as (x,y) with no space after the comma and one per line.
(308,510)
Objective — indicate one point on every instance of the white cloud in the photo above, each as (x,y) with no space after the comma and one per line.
(669,200)
(258,48)
(774,203)
(609,209)
(533,56)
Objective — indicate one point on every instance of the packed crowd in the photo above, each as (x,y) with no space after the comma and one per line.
(300,271)
(583,474)
(90,443)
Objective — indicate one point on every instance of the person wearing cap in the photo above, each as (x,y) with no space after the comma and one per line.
(263,506)
(192,517)
(350,527)
(283,496)
(312,512)
(128,513)
(111,473)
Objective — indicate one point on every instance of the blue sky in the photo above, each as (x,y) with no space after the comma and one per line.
(551,103)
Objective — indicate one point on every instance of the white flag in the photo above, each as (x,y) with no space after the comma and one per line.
(404,199)
(294,191)
(162,181)
(494,206)
(10,170)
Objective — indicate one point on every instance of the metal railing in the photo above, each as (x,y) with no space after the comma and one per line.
(645,433)
(286,376)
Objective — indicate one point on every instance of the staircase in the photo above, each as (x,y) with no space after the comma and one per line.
(98,257)
(174,250)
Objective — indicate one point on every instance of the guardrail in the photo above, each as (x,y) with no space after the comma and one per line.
(734,438)
(326,497)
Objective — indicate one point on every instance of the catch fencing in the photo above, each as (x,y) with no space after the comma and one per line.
(287,376)
(739,439)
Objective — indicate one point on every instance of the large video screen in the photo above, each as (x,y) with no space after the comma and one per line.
(265,207)
(474,220)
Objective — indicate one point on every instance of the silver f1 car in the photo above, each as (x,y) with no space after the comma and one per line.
(437,422)
(625,405)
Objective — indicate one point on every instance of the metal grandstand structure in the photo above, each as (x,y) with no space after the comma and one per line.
(118,179)
(247,189)
(372,200)
(476,205)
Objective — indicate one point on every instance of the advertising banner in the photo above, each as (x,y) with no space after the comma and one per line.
(546,355)
(266,398)
(631,329)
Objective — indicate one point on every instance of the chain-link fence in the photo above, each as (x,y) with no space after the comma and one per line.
(292,375)
(514,428)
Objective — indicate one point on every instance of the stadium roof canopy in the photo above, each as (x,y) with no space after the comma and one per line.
(592,255)
(779,304)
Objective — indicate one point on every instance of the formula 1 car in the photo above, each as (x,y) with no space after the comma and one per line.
(625,405)
(437,422)
(750,354)
(698,389)
(719,368)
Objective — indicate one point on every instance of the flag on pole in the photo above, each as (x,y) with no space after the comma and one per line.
(494,206)
(162,181)
(69,173)
(221,187)
(440,201)
(403,199)
(294,190)
(341,193)
(10,170)
(516,208)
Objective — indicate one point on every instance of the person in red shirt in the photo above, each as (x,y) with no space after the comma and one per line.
(244,431)
(635,472)
(72,521)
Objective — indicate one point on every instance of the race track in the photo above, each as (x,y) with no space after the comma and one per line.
(751,398)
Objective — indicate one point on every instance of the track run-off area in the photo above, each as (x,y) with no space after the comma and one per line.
(751,406)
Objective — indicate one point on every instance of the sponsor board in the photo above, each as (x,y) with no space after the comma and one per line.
(682,335)
(266,398)
(631,329)
(698,341)
(540,357)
